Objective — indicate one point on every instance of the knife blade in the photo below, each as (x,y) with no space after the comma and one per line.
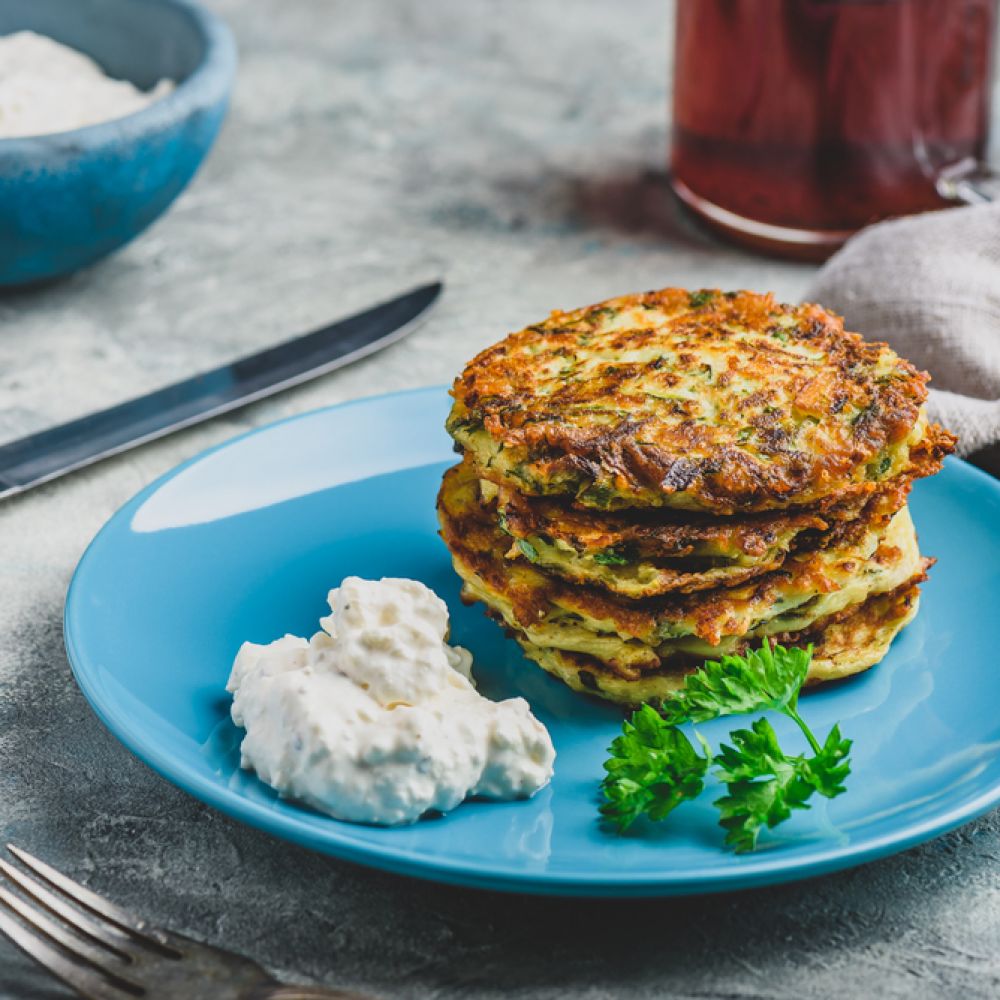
(53,452)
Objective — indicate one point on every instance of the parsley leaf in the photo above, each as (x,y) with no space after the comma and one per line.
(828,770)
(653,768)
(764,785)
(765,678)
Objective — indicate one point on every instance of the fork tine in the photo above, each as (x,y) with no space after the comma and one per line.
(85,980)
(78,946)
(104,934)
(121,918)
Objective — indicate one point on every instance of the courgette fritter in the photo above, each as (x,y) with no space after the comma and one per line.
(648,553)
(705,401)
(845,645)
(634,635)
(662,478)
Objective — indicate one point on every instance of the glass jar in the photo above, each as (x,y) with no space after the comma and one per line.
(797,122)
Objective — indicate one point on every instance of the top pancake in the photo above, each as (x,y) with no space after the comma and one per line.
(712,401)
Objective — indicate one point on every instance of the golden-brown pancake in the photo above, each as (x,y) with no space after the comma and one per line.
(646,553)
(703,401)
(635,636)
(847,645)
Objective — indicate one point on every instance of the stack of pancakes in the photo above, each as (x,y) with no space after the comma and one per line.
(662,478)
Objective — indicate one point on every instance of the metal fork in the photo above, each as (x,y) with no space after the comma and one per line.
(106,953)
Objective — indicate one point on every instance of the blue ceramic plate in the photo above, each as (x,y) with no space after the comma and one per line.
(244,542)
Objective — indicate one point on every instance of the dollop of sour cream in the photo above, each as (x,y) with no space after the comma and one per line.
(376,718)
(47,87)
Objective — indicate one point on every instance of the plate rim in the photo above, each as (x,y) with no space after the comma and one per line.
(766,869)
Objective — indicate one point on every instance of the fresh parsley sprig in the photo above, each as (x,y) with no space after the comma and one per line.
(768,678)
(654,767)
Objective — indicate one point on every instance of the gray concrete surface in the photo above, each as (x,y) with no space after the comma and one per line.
(520,146)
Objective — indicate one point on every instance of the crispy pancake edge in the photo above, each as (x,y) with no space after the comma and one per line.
(846,647)
(478,550)
(640,554)
(827,409)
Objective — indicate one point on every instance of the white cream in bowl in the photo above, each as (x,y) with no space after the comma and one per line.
(48,87)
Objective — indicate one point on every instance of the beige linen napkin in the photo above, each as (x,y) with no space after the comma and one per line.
(929,285)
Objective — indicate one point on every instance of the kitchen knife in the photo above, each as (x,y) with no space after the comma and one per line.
(47,454)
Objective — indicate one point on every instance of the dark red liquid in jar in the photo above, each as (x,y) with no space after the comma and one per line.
(821,116)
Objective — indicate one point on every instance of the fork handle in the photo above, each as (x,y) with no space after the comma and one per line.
(287,992)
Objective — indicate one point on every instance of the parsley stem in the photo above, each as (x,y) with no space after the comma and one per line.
(800,722)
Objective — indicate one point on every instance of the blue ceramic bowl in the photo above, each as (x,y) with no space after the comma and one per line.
(70,198)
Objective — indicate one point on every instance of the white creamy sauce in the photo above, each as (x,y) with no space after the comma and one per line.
(48,87)
(376,719)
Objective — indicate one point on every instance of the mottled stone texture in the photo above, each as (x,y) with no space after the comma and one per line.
(518,146)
